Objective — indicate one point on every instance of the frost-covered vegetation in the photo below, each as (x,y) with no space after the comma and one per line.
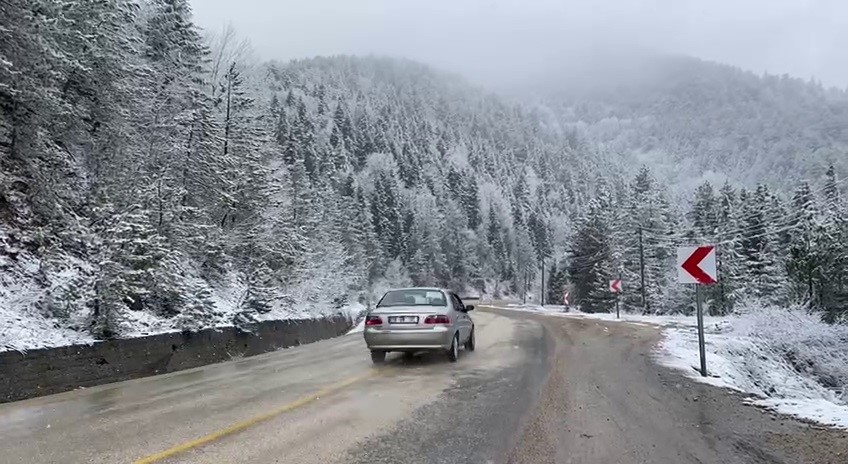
(151,179)
(787,357)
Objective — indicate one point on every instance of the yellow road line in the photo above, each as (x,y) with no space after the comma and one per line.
(243,425)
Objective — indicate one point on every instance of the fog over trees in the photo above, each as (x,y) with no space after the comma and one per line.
(155,177)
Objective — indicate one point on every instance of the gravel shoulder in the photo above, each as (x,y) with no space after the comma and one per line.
(607,401)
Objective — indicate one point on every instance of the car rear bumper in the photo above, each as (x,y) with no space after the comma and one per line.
(437,338)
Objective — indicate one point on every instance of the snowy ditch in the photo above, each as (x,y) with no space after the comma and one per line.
(789,361)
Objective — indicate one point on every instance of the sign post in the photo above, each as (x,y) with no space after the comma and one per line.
(615,288)
(702,349)
(697,265)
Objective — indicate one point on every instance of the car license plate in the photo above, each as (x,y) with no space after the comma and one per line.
(403,319)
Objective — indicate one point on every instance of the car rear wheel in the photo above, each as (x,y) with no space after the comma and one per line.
(470,343)
(378,357)
(453,351)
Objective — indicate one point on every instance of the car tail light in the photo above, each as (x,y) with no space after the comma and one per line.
(439,319)
(373,320)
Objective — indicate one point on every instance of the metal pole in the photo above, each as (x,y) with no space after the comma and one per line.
(701,348)
(618,298)
(642,272)
(543,282)
(524,296)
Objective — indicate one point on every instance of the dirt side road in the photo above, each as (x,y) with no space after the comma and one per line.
(607,402)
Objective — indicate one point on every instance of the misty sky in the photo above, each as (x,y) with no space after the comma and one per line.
(501,42)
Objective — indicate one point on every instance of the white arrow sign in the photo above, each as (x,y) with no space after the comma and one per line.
(697,265)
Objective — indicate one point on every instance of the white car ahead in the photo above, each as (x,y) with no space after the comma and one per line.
(419,319)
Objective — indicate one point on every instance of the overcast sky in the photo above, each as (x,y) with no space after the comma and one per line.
(501,42)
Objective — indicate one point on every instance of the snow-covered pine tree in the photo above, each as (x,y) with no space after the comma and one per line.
(834,291)
(765,277)
(729,260)
(704,214)
(131,271)
(556,281)
(647,241)
(457,247)
(591,265)
(806,259)
(387,214)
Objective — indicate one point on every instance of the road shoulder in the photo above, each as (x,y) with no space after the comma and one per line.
(607,400)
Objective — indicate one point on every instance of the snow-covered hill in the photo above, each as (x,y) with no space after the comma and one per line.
(150,181)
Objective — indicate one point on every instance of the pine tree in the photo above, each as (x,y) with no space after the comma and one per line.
(456,247)
(763,268)
(131,272)
(704,212)
(556,281)
(647,238)
(387,215)
(729,260)
(591,262)
(834,250)
(805,258)
(241,152)
(343,128)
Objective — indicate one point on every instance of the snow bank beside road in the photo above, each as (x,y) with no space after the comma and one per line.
(791,361)
(21,326)
(794,363)
(356,312)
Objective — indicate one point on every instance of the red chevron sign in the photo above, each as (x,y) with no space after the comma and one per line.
(697,265)
(615,286)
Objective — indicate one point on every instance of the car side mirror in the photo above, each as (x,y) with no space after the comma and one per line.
(469,308)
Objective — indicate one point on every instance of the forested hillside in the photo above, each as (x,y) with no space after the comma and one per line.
(154,180)
(696,120)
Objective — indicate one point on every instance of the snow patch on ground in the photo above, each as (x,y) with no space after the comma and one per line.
(359,328)
(788,359)
(793,362)
(356,312)
(21,331)
(24,300)
(23,326)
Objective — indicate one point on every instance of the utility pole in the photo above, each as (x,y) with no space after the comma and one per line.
(618,299)
(543,281)
(721,285)
(642,272)
(524,296)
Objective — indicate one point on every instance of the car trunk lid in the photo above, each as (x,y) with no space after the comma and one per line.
(407,317)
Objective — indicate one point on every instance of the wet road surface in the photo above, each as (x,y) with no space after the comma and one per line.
(263,409)
(607,401)
(539,389)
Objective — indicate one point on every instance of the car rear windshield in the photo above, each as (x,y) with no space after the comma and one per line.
(414,297)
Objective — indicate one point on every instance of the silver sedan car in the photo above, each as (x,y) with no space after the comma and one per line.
(419,319)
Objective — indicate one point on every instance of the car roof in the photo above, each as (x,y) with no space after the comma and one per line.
(430,289)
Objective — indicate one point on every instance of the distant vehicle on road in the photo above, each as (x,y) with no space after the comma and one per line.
(409,320)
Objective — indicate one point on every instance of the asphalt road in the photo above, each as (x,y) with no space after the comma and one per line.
(538,389)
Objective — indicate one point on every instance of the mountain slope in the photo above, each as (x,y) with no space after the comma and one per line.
(688,117)
(150,182)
